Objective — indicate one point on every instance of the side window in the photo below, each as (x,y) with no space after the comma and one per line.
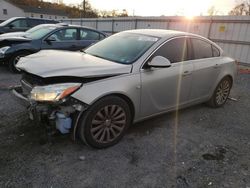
(51,21)
(20,23)
(5,12)
(65,35)
(102,36)
(86,34)
(33,22)
(174,50)
(201,49)
(216,52)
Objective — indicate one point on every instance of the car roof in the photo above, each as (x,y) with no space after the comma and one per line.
(18,17)
(167,34)
(161,33)
(63,25)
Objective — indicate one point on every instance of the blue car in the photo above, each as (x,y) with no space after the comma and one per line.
(49,36)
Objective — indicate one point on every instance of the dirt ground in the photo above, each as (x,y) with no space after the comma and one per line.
(211,149)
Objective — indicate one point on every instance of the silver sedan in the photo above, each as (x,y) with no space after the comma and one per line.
(126,78)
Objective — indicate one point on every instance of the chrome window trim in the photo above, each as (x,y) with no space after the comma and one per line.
(209,42)
(58,29)
(152,53)
(177,37)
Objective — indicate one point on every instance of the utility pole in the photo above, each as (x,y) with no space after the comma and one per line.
(84,8)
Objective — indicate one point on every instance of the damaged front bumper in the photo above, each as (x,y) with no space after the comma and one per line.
(63,115)
(17,91)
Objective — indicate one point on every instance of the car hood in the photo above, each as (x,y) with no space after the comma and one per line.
(14,34)
(14,39)
(55,63)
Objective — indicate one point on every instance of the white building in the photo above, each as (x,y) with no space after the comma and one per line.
(38,12)
(9,10)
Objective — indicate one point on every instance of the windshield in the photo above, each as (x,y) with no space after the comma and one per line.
(39,33)
(123,48)
(33,29)
(7,21)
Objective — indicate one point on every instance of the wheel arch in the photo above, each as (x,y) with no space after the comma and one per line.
(218,81)
(120,95)
(230,77)
(24,50)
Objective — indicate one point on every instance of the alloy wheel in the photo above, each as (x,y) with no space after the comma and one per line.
(222,92)
(108,123)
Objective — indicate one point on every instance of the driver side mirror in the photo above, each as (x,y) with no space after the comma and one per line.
(11,26)
(50,39)
(159,62)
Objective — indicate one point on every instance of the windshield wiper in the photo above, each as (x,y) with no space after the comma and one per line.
(97,56)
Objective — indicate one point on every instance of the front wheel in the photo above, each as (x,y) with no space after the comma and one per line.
(14,60)
(105,122)
(221,93)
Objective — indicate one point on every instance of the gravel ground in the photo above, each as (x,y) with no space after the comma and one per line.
(211,149)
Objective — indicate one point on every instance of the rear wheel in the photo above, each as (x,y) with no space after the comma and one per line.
(105,122)
(14,60)
(221,93)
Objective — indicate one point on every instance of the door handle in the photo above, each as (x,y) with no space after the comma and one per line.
(186,73)
(216,66)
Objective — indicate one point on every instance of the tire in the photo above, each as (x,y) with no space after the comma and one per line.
(14,59)
(221,93)
(105,122)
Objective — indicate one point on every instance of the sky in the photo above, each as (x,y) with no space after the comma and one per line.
(161,7)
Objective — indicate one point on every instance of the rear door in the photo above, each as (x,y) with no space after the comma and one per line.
(34,22)
(206,67)
(62,39)
(166,88)
(88,37)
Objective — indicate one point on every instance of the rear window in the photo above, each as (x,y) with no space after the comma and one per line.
(86,34)
(201,49)
(33,22)
(50,21)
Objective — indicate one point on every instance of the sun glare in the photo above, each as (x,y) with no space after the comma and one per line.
(161,7)
(193,8)
(189,17)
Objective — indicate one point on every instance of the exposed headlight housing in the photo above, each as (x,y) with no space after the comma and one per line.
(3,50)
(54,92)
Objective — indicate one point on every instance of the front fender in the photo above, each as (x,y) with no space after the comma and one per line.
(128,85)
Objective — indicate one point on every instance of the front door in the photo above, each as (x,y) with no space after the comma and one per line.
(167,88)
(63,39)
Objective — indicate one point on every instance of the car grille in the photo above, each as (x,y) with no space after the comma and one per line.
(28,82)
(32,80)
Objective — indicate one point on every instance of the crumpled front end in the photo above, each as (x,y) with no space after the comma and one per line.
(61,113)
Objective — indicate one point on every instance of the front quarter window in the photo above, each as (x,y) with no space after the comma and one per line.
(175,50)
(124,48)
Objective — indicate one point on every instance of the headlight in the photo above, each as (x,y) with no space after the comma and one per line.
(53,93)
(3,50)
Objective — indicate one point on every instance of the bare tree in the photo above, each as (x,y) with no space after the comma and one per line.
(113,13)
(212,11)
(242,8)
